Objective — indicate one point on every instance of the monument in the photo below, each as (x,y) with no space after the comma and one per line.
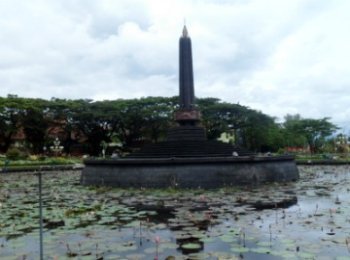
(188,139)
(186,159)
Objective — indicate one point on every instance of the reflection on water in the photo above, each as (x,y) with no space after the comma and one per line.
(306,219)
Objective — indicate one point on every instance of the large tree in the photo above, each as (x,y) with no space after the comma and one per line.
(258,134)
(92,119)
(12,109)
(157,113)
(34,127)
(291,134)
(315,131)
(61,114)
(219,117)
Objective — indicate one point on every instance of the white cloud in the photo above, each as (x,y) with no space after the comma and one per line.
(276,56)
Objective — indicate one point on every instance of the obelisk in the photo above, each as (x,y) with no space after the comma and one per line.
(186,71)
(187,114)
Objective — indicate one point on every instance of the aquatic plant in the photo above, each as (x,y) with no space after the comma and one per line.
(157,241)
(124,222)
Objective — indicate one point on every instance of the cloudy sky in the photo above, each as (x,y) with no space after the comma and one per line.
(280,57)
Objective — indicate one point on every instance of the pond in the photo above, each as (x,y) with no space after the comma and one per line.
(308,219)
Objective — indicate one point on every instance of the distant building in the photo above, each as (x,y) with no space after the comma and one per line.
(297,149)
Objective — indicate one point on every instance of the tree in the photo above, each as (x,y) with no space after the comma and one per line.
(92,119)
(134,121)
(60,115)
(157,113)
(293,137)
(11,111)
(258,134)
(315,131)
(219,117)
(34,127)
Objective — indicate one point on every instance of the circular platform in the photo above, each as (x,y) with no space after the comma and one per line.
(204,172)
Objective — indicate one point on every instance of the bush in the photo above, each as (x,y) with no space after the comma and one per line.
(42,158)
(15,154)
(343,149)
(59,160)
(281,151)
(33,157)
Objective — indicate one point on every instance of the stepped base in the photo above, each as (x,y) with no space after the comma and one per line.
(188,141)
(189,133)
(184,148)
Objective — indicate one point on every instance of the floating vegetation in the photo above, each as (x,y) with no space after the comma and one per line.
(308,219)
(191,246)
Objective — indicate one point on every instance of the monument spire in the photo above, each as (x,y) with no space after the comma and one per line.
(186,71)
(184,32)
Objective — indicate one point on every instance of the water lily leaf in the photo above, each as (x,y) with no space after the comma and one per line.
(261,250)
(191,246)
(135,256)
(239,249)
(228,238)
(264,243)
(306,255)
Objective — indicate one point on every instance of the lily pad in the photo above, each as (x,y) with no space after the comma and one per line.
(191,246)
(239,249)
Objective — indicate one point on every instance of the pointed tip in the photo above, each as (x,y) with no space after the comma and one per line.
(184,31)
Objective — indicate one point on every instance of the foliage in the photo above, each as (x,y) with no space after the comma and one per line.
(315,131)
(25,161)
(34,127)
(84,124)
(221,117)
(11,110)
(258,136)
(292,137)
(13,154)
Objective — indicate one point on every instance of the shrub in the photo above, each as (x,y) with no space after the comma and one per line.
(343,149)
(59,160)
(33,157)
(42,158)
(15,154)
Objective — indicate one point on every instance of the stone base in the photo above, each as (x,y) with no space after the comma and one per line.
(189,172)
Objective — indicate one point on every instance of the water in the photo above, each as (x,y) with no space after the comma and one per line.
(308,219)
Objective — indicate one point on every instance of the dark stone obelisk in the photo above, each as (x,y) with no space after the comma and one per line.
(186,71)
(187,114)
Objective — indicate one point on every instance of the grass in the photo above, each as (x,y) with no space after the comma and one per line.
(34,162)
(325,157)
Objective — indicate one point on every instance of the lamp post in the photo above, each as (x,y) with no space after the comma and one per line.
(41,232)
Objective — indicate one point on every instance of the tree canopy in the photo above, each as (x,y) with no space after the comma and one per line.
(131,122)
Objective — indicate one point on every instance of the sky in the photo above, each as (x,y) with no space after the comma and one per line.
(279,57)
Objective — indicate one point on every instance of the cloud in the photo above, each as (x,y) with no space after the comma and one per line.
(276,56)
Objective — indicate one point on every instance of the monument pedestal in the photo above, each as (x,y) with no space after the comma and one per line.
(187,116)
